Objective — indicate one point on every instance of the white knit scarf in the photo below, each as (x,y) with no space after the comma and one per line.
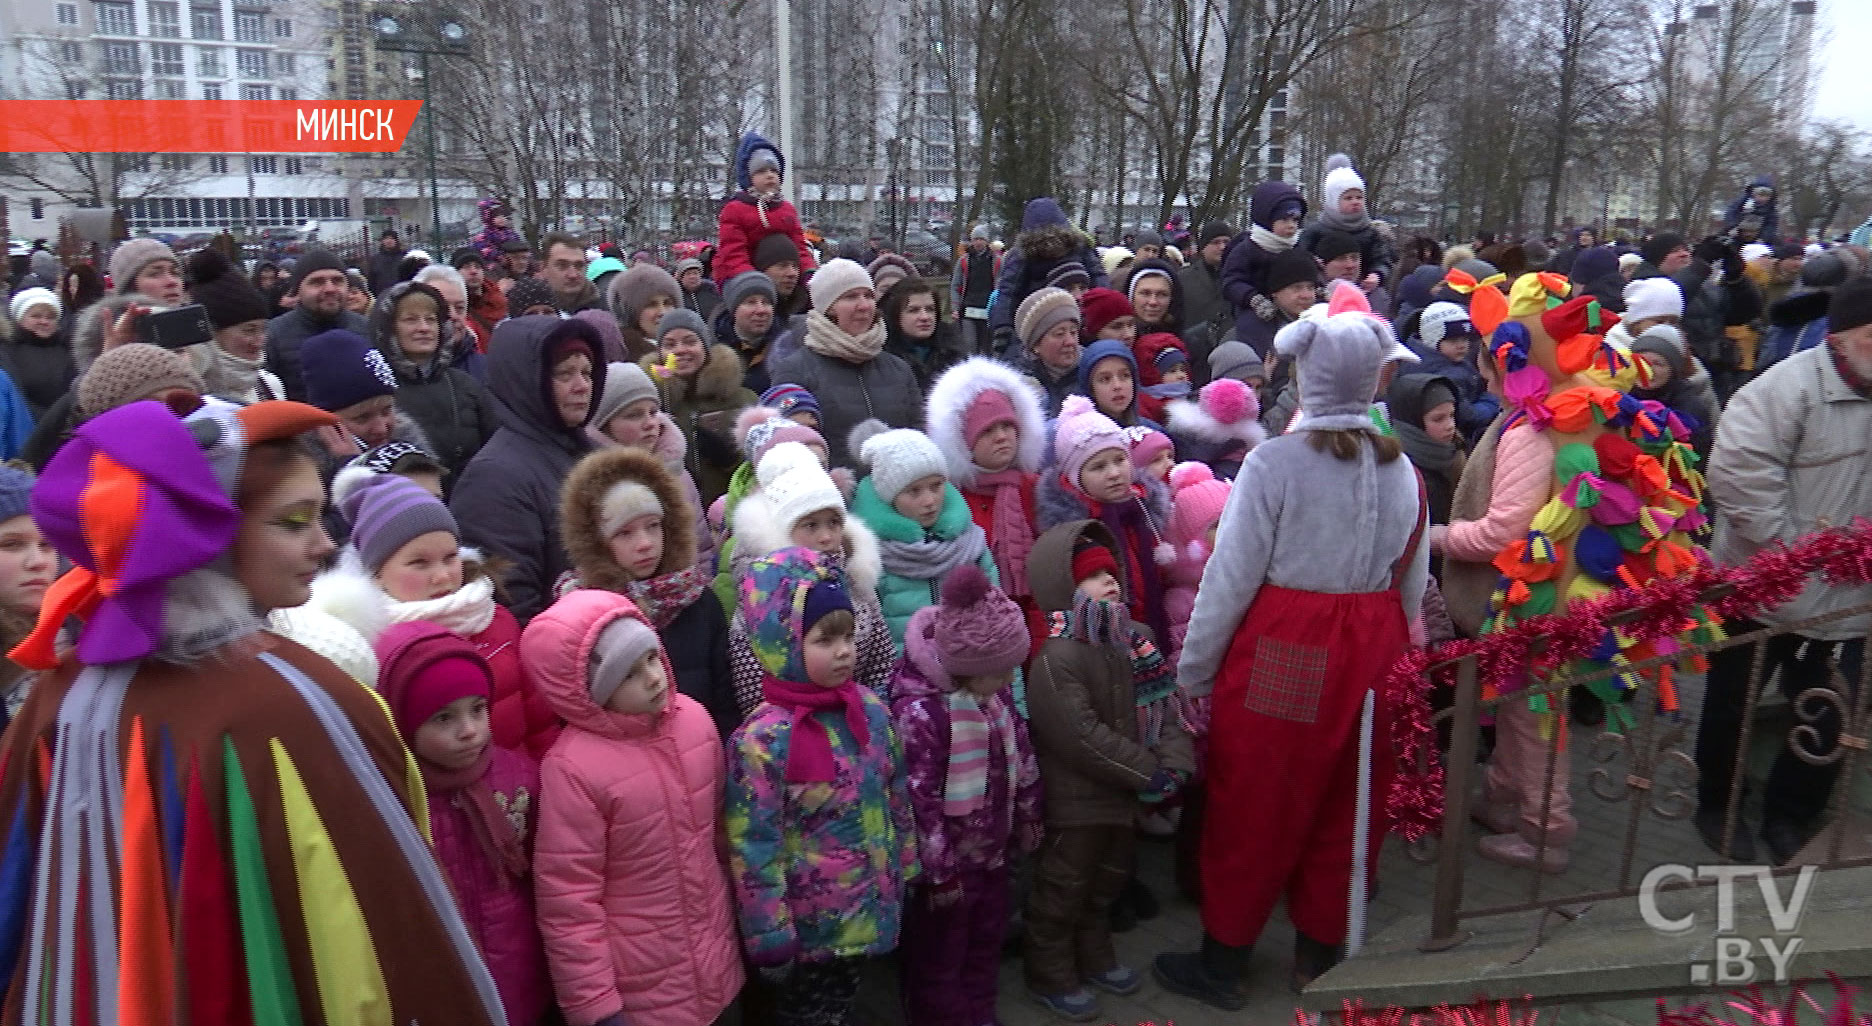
(1269,241)
(465,612)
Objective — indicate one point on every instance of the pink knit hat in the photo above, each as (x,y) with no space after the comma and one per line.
(1198,500)
(760,428)
(990,407)
(1147,444)
(978,629)
(1081,433)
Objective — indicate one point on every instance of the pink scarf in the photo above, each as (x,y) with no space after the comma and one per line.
(809,753)
(1011,536)
(492,828)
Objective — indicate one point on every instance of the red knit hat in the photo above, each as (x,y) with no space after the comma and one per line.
(978,629)
(425,667)
(1099,307)
(1089,558)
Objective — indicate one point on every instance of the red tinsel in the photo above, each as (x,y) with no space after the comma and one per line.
(1841,555)
(1754,1009)
(1483,1012)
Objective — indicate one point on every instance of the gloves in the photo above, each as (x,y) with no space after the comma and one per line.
(1163,786)
(1263,307)
(776,975)
(946,895)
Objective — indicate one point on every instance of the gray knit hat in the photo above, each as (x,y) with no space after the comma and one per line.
(625,383)
(129,258)
(1038,313)
(685,318)
(743,285)
(389,511)
(15,492)
(619,646)
(1235,359)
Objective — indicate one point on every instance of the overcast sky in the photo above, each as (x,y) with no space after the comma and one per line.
(1845,90)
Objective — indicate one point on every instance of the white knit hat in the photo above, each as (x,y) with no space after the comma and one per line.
(1653,297)
(330,637)
(896,459)
(835,279)
(1337,182)
(795,485)
(1441,320)
(624,502)
(26,299)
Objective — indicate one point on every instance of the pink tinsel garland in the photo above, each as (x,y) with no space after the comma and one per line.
(1841,555)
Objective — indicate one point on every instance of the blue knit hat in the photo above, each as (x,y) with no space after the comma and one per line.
(15,492)
(342,369)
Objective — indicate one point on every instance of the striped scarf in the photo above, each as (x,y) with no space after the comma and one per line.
(973,725)
(1153,679)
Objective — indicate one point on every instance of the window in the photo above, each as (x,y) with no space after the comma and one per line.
(256,92)
(285,64)
(251,63)
(38,209)
(166,59)
(171,89)
(288,94)
(68,14)
(208,63)
(205,22)
(71,53)
(176,161)
(293,166)
(122,89)
(249,27)
(211,91)
(116,19)
(120,59)
(263,165)
(74,90)
(282,28)
(165,19)
(217,162)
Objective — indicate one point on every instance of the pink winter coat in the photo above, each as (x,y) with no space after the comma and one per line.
(633,895)
(497,908)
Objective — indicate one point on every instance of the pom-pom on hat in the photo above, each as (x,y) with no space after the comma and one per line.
(896,458)
(978,629)
(341,369)
(1081,433)
(1197,501)
(1225,410)
(224,293)
(389,511)
(833,280)
(132,502)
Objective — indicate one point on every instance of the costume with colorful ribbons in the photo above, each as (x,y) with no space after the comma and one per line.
(233,839)
(1626,498)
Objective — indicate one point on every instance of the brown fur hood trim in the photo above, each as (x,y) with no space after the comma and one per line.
(584,493)
(718,379)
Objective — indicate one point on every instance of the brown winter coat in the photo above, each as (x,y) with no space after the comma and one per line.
(704,408)
(1082,709)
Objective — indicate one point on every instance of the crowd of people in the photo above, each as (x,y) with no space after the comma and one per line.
(546,635)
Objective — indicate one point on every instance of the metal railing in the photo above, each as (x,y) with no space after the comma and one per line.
(1646,768)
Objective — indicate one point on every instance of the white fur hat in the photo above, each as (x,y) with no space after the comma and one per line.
(795,484)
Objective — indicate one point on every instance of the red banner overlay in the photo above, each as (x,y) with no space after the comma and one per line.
(204,126)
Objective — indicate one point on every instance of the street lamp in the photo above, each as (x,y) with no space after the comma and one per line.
(405,29)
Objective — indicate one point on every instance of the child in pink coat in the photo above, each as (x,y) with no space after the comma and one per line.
(633,895)
(483,802)
(1196,501)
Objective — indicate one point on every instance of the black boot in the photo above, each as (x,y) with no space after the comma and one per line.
(1312,958)
(1212,975)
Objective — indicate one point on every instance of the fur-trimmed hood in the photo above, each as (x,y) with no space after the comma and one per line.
(583,495)
(758,532)
(1050,244)
(718,380)
(1055,505)
(87,337)
(949,399)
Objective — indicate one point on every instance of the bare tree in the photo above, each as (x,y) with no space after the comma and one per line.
(1588,71)
(107,180)
(1823,173)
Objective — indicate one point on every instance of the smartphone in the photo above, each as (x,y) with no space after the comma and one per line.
(179,328)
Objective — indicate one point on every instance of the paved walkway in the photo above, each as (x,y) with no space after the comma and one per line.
(1405,889)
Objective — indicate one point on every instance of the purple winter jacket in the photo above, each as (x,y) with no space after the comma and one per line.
(1245,267)
(949,846)
(497,908)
